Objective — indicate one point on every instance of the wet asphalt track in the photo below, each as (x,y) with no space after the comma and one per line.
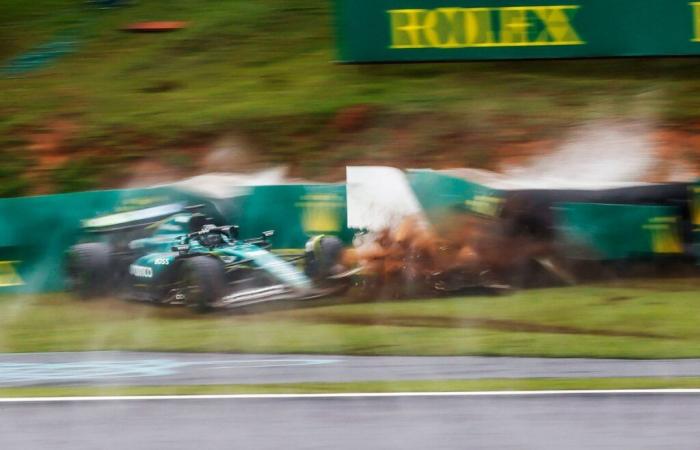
(537,422)
(138,369)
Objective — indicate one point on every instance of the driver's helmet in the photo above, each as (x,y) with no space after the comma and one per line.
(197,222)
(211,238)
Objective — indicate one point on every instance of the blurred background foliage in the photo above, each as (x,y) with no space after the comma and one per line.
(265,72)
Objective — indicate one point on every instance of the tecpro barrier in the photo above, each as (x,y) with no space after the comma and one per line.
(443,30)
(607,224)
(612,232)
(644,221)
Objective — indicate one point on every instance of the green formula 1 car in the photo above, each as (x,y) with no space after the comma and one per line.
(186,259)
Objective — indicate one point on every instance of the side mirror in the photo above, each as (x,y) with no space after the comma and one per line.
(182,249)
(268,234)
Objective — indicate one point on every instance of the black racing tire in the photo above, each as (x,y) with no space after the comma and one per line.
(205,282)
(89,269)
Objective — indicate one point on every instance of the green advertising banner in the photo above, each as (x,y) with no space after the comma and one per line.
(444,30)
(295,212)
(441,195)
(613,232)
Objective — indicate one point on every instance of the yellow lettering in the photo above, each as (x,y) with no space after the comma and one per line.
(557,25)
(8,274)
(484,27)
(485,204)
(451,29)
(695,207)
(664,235)
(430,28)
(406,28)
(321,213)
(514,26)
(478,27)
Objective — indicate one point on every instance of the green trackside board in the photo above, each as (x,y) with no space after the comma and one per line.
(615,232)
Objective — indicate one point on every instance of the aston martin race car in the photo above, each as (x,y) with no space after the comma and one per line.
(186,259)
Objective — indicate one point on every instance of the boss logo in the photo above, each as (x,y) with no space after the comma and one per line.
(141,271)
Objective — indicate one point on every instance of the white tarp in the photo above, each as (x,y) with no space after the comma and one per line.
(379,197)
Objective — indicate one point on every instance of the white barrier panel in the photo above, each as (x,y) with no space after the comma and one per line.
(229,185)
(379,197)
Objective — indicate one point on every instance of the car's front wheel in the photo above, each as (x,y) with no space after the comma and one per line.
(204,280)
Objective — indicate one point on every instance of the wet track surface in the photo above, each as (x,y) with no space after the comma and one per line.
(139,369)
(541,422)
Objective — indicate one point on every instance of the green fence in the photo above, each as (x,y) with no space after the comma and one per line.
(440,30)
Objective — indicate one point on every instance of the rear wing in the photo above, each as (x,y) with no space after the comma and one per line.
(130,220)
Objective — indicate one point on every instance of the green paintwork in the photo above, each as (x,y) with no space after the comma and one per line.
(159,257)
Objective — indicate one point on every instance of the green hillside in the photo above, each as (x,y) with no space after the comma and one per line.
(264,70)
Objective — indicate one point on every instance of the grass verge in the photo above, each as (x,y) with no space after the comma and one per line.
(532,384)
(639,319)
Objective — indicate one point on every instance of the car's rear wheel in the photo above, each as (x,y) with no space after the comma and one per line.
(89,269)
(204,280)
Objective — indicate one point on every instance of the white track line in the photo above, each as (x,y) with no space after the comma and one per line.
(123,398)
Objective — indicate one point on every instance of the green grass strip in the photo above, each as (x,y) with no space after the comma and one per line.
(531,384)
